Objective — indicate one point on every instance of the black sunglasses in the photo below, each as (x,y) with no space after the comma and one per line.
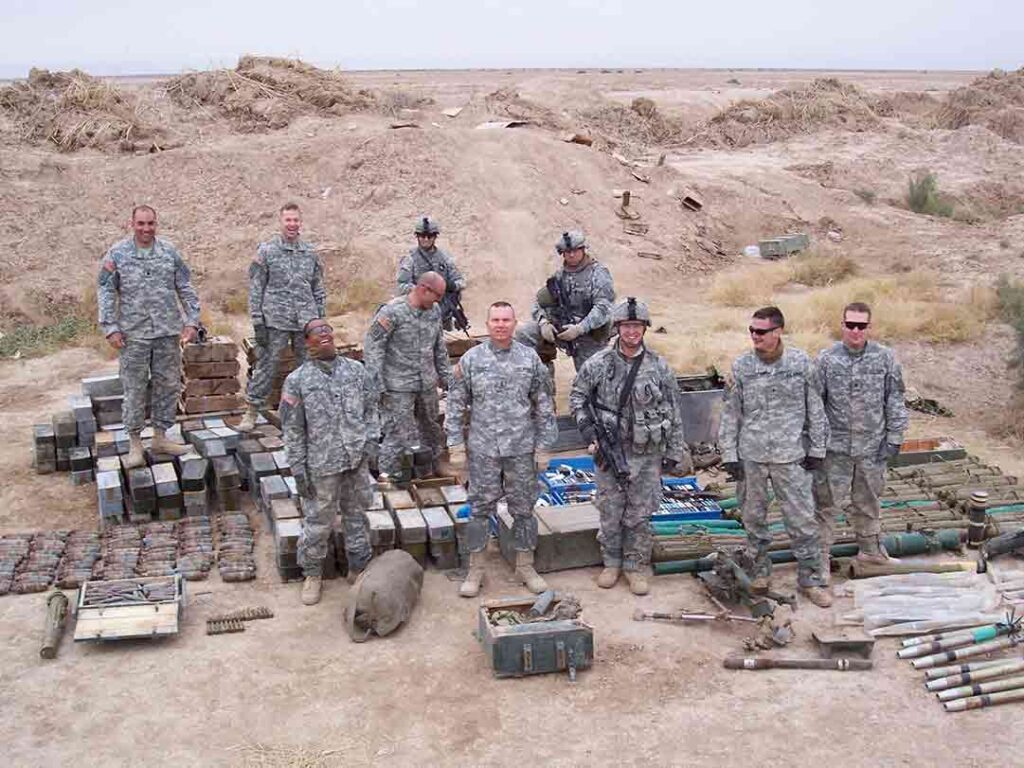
(855,326)
(763,331)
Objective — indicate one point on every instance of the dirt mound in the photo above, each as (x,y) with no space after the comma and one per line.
(995,101)
(825,103)
(639,126)
(507,104)
(905,105)
(264,92)
(74,110)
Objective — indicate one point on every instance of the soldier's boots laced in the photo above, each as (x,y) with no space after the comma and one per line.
(527,575)
(760,585)
(638,582)
(608,578)
(474,576)
(820,596)
(311,588)
(248,422)
(136,458)
(162,445)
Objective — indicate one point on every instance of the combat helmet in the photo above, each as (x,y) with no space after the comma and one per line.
(425,225)
(631,309)
(570,241)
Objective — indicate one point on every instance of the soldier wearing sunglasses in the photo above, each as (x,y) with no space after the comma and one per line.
(773,428)
(862,388)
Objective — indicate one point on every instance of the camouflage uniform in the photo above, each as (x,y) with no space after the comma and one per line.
(330,425)
(419,261)
(148,296)
(286,291)
(591,294)
(773,417)
(508,395)
(863,396)
(650,428)
(405,358)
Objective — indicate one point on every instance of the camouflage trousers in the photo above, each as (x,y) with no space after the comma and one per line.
(625,535)
(143,360)
(792,486)
(408,419)
(490,478)
(584,347)
(850,485)
(347,494)
(267,361)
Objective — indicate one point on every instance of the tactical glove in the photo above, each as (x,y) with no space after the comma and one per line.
(812,463)
(888,451)
(734,469)
(571,333)
(305,488)
(262,335)
(547,331)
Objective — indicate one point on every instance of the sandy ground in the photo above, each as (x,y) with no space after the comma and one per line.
(294,690)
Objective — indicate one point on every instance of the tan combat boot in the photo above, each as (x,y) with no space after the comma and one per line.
(162,445)
(872,552)
(608,578)
(820,596)
(311,588)
(136,458)
(475,575)
(638,582)
(527,575)
(248,422)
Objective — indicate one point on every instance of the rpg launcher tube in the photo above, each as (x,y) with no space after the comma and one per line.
(937,673)
(987,700)
(952,681)
(842,665)
(925,662)
(975,636)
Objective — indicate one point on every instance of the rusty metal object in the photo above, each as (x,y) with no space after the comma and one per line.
(235,541)
(53,630)
(224,626)
(245,614)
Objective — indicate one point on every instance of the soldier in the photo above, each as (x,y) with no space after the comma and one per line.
(581,328)
(427,257)
(286,290)
(147,309)
(405,358)
(773,427)
(862,388)
(504,387)
(331,429)
(633,392)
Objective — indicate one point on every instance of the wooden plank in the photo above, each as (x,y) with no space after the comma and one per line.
(211,403)
(215,349)
(198,387)
(221,370)
(126,621)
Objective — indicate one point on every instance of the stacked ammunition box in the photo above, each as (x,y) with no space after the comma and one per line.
(211,377)
(45,445)
(65,436)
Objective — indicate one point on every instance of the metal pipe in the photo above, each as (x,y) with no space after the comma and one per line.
(974,650)
(986,700)
(1006,667)
(971,638)
(907,642)
(958,669)
(754,662)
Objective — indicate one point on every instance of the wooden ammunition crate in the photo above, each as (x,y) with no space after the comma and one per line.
(136,617)
(535,648)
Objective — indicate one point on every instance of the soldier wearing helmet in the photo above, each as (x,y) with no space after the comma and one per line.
(427,257)
(572,310)
(633,391)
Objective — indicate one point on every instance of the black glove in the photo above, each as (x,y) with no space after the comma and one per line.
(888,451)
(812,463)
(734,469)
(262,335)
(305,488)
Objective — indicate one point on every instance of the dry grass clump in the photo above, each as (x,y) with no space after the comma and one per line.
(73,110)
(507,104)
(820,269)
(264,92)
(393,101)
(47,321)
(638,126)
(825,103)
(756,285)
(995,101)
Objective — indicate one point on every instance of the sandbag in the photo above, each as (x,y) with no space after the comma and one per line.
(384,595)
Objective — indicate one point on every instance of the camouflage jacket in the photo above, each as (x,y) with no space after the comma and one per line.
(404,350)
(773,412)
(286,285)
(590,292)
(419,261)
(863,396)
(650,421)
(330,417)
(506,394)
(145,296)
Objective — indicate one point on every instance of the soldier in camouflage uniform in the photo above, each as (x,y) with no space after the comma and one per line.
(634,393)
(147,309)
(506,392)
(590,293)
(427,257)
(286,290)
(862,388)
(773,427)
(331,429)
(406,358)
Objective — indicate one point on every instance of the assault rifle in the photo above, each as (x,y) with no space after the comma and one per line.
(610,453)
(559,313)
(452,311)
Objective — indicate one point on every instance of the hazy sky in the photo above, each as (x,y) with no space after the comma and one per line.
(146,36)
